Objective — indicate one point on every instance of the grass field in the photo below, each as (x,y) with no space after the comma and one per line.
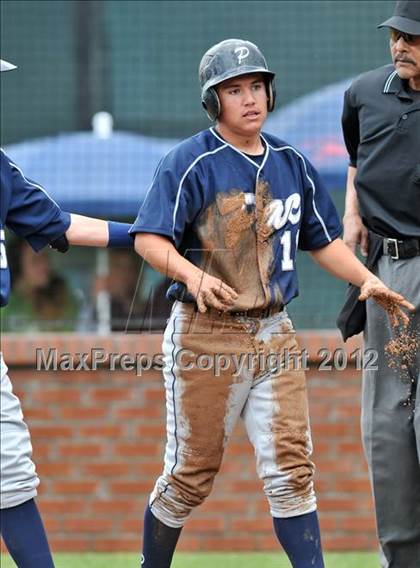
(205,560)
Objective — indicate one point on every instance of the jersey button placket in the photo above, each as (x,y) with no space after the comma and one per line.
(259,213)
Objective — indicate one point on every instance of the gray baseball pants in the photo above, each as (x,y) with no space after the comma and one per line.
(391,424)
(18,476)
(203,407)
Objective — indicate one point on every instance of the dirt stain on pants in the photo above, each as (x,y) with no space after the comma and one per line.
(205,398)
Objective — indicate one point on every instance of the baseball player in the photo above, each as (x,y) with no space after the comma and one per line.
(225,214)
(27,210)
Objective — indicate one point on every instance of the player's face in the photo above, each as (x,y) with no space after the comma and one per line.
(243,103)
(405,51)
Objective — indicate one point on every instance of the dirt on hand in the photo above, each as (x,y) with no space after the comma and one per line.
(401,350)
(390,301)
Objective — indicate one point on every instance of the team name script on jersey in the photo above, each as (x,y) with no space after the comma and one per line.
(277,214)
(280,211)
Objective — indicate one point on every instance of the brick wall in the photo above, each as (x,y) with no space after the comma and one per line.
(98,440)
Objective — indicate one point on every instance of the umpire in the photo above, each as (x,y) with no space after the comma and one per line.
(381,125)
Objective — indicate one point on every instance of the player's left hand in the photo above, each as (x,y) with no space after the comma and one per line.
(211,292)
(390,301)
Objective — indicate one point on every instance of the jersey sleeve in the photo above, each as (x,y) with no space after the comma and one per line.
(320,222)
(173,200)
(32,214)
(350,125)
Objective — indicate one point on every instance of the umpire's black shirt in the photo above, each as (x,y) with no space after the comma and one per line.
(381,126)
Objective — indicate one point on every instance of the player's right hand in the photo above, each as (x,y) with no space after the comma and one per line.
(211,292)
(355,233)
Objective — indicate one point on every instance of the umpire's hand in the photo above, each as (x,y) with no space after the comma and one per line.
(355,233)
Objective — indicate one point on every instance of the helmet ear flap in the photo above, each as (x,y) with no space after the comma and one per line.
(211,103)
(271,94)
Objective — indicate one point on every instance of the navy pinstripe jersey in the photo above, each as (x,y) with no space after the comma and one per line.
(29,212)
(239,220)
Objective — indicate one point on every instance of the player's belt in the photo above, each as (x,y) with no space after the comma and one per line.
(259,313)
(397,249)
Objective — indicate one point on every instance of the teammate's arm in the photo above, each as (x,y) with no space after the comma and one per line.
(161,254)
(355,233)
(337,259)
(33,215)
(88,231)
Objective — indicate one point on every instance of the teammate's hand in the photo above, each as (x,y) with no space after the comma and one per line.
(355,233)
(211,292)
(389,300)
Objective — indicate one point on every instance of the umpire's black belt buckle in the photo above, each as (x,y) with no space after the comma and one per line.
(400,249)
(391,248)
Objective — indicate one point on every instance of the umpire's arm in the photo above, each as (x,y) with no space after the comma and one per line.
(355,233)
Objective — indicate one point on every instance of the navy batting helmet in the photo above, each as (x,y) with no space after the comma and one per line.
(227,59)
(6,66)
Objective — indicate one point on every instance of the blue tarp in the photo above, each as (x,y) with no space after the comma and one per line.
(110,177)
(312,124)
(93,176)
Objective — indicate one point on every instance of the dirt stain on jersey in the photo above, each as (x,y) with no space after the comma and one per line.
(262,199)
(238,247)
(241,217)
(266,252)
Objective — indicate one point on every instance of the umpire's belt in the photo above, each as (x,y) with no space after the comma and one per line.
(397,249)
